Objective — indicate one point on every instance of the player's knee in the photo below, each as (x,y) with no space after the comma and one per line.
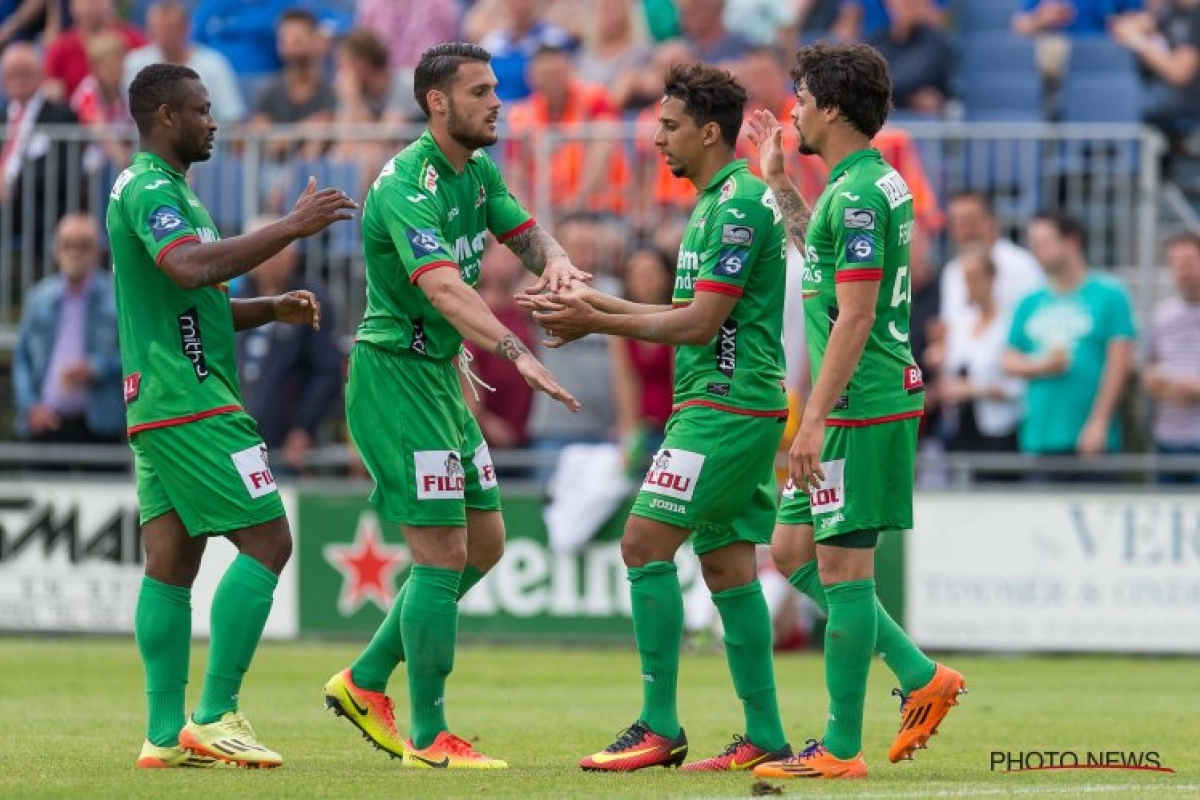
(487,556)
(787,559)
(637,550)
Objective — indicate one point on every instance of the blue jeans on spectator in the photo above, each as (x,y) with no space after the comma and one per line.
(1177,478)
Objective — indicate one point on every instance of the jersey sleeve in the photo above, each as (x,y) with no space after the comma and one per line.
(154,211)
(1018,339)
(859,220)
(733,238)
(415,228)
(505,216)
(1120,315)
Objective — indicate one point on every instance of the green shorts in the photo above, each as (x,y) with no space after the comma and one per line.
(868,482)
(213,472)
(418,439)
(714,475)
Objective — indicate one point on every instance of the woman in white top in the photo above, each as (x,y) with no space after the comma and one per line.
(982,403)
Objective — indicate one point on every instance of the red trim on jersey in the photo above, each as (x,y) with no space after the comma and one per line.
(850,275)
(162,253)
(719,288)
(748,412)
(524,226)
(864,423)
(429,266)
(167,423)
(675,304)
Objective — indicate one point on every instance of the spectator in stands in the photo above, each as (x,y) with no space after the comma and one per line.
(613,45)
(860,20)
(763,71)
(588,171)
(643,372)
(1071,17)
(22,20)
(1072,341)
(66,56)
(920,55)
(973,225)
(660,192)
(514,45)
(100,104)
(300,95)
(585,363)
(291,375)
(640,88)
(980,402)
(770,23)
(67,365)
(502,412)
(169,26)
(702,24)
(409,28)
(244,31)
(814,18)
(1172,373)
(1167,47)
(32,170)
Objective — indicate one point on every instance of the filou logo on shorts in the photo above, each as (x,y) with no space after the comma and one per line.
(673,473)
(254,468)
(831,495)
(439,475)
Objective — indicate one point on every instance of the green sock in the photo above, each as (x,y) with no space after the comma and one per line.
(429,626)
(163,627)
(747,622)
(849,642)
(240,609)
(912,668)
(385,652)
(657,602)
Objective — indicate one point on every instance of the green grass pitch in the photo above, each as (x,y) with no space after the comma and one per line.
(72,715)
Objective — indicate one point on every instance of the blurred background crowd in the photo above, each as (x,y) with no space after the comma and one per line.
(1053,149)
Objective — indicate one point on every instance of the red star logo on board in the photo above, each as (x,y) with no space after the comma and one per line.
(368,566)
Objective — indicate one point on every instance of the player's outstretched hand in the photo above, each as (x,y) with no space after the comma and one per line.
(566,316)
(298,308)
(766,133)
(538,377)
(559,274)
(317,210)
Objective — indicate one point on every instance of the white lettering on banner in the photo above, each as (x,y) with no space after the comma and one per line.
(253,466)
(71,560)
(1071,572)
(483,465)
(832,494)
(674,473)
(439,475)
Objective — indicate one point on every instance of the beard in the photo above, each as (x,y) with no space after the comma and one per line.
(805,148)
(459,131)
(191,152)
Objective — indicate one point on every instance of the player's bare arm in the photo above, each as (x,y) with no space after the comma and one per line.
(193,265)
(694,324)
(468,313)
(299,307)
(545,257)
(856,315)
(601,301)
(767,134)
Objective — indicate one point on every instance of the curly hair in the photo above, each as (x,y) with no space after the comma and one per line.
(709,94)
(439,66)
(853,78)
(155,86)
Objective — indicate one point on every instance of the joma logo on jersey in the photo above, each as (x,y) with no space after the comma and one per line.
(465,248)
(192,343)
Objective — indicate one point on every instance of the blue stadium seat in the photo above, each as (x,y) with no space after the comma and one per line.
(343,239)
(1100,55)
(1017,93)
(995,52)
(1113,97)
(986,15)
(219,185)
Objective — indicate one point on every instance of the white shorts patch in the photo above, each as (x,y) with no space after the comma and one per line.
(483,464)
(789,488)
(832,494)
(439,475)
(255,470)
(674,473)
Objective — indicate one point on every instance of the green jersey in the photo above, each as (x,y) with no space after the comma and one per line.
(734,244)
(177,345)
(860,231)
(420,214)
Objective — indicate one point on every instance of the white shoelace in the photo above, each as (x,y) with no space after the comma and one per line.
(464,366)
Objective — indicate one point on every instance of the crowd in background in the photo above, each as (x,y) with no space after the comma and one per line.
(1024,350)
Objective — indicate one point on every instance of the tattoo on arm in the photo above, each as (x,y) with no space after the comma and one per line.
(535,247)
(511,348)
(796,214)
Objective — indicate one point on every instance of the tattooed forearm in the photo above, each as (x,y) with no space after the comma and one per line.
(796,213)
(535,247)
(511,348)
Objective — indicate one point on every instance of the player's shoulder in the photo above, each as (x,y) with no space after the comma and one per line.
(742,184)
(743,195)
(141,178)
(872,180)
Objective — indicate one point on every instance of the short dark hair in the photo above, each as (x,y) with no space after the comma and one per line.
(155,86)
(300,15)
(853,78)
(1067,226)
(974,195)
(1186,238)
(709,94)
(439,66)
(367,45)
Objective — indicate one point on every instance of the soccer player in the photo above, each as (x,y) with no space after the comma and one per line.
(852,461)
(201,465)
(713,480)
(425,222)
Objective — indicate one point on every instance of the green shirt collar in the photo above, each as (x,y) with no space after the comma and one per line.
(436,153)
(725,172)
(151,160)
(842,166)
